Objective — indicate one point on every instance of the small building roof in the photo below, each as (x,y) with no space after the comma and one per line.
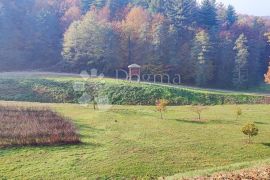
(134,66)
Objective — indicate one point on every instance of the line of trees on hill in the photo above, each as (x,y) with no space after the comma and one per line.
(207,43)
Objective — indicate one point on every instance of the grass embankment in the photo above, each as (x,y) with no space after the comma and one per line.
(131,141)
(60,90)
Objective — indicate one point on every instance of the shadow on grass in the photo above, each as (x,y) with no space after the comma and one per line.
(263,123)
(223,122)
(132,112)
(266,144)
(87,128)
(189,121)
(206,121)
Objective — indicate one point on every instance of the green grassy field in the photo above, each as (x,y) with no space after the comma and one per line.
(131,141)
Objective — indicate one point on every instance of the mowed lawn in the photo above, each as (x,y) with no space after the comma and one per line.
(131,141)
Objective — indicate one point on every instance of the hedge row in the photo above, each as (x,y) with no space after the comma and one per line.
(120,93)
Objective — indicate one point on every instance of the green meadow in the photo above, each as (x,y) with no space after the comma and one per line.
(133,142)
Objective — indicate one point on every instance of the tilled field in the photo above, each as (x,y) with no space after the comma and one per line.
(31,126)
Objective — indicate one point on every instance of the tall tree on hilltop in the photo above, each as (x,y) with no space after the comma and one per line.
(201,53)
(221,14)
(99,3)
(225,60)
(158,36)
(116,7)
(86,5)
(135,34)
(180,12)
(90,42)
(257,58)
(240,79)
(156,6)
(231,16)
(208,14)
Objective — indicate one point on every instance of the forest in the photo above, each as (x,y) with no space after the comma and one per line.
(207,43)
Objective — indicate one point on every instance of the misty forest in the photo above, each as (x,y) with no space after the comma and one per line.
(207,43)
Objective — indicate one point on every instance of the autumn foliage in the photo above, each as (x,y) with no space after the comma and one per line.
(267,76)
(161,106)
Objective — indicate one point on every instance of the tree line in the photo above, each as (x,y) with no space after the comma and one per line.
(208,43)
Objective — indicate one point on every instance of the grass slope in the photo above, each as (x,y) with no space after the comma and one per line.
(131,141)
(59,89)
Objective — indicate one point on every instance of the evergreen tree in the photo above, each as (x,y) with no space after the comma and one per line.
(225,61)
(86,4)
(142,3)
(240,79)
(221,14)
(99,3)
(231,16)
(201,53)
(180,12)
(156,6)
(208,14)
(115,7)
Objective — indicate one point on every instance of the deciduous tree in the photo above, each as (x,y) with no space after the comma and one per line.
(240,79)
(267,76)
(201,53)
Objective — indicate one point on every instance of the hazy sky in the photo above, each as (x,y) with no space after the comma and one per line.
(252,7)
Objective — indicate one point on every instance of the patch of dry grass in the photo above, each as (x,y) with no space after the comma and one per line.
(20,126)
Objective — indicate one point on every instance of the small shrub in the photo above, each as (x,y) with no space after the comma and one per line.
(239,113)
(161,106)
(250,130)
(198,109)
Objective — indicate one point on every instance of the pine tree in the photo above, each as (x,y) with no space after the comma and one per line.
(156,6)
(86,4)
(201,53)
(99,3)
(115,7)
(221,14)
(240,79)
(225,60)
(231,16)
(208,13)
(180,12)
